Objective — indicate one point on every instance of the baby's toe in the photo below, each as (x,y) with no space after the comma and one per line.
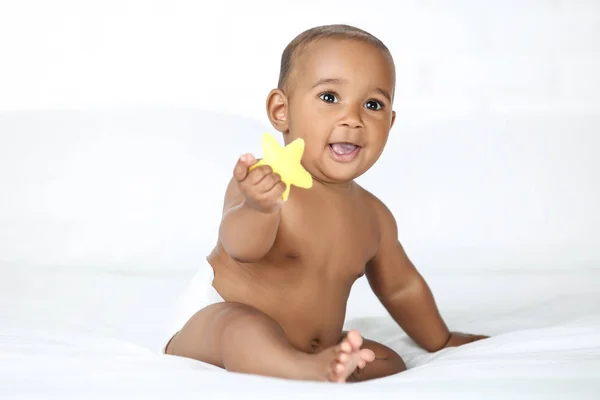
(354,339)
(367,355)
(345,347)
(342,357)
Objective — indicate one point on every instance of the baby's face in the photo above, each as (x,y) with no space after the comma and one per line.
(340,102)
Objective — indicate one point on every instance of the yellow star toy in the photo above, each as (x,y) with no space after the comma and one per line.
(285,161)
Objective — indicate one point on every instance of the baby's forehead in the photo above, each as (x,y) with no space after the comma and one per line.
(319,47)
(312,55)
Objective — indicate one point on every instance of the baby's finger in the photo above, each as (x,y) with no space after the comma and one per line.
(240,172)
(277,190)
(268,182)
(258,174)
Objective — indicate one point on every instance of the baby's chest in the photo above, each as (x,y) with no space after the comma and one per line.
(329,236)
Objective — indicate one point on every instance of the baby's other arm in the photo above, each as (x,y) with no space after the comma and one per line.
(251,211)
(401,288)
(404,293)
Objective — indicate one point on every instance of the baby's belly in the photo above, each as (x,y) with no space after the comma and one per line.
(310,323)
(310,311)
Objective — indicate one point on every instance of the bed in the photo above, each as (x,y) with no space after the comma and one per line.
(104,216)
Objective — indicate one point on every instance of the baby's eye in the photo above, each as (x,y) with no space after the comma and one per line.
(373,105)
(328,98)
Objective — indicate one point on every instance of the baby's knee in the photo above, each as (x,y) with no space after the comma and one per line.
(250,320)
(397,362)
(237,311)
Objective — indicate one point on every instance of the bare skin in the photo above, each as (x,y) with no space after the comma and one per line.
(286,270)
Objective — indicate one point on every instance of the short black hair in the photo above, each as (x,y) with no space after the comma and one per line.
(339,31)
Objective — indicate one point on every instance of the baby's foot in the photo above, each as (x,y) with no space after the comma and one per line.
(346,357)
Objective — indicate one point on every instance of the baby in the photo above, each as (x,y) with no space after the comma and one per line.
(271,299)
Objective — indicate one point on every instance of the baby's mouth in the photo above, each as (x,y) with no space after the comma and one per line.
(342,149)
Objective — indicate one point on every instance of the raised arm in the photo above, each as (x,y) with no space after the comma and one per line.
(251,211)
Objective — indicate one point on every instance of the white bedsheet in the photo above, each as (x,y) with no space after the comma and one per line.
(69,333)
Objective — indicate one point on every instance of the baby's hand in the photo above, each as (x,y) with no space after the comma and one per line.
(262,187)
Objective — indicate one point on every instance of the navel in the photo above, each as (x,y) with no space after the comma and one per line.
(315,344)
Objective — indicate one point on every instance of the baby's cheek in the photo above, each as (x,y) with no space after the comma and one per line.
(311,155)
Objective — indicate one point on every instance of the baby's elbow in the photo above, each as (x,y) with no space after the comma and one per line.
(244,256)
(244,251)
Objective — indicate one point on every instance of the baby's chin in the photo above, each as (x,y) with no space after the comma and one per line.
(339,174)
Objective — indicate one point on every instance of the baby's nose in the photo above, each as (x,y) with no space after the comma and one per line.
(352,117)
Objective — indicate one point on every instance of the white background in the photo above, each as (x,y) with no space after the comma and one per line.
(493,162)
(454,58)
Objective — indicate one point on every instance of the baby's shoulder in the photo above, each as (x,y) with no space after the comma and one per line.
(386,222)
(380,209)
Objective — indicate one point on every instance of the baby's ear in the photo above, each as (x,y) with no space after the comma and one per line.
(277,110)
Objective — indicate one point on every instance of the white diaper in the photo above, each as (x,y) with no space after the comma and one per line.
(199,294)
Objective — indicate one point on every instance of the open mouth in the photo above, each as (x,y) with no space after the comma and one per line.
(344,151)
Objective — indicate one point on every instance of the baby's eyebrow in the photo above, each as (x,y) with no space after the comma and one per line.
(385,94)
(328,81)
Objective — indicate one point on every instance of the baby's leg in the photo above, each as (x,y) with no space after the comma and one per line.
(240,338)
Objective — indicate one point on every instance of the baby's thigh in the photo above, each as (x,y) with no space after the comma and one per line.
(199,337)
